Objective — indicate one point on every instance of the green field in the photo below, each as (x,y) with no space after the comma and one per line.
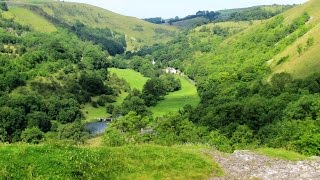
(172,102)
(135,79)
(177,100)
(92,114)
(129,162)
(27,17)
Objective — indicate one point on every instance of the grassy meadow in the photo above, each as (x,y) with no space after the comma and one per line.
(177,100)
(172,102)
(135,79)
(128,162)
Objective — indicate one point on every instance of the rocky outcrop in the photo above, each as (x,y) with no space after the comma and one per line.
(249,165)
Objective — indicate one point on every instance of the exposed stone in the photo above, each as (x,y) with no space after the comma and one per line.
(249,165)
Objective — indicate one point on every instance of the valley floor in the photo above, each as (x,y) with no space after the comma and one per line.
(250,165)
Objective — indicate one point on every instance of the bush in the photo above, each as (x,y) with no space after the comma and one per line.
(110,108)
(95,104)
(114,138)
(40,120)
(242,137)
(32,135)
(220,142)
(75,132)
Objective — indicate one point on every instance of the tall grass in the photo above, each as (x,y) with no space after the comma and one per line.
(131,162)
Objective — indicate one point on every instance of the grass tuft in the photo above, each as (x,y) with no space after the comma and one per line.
(281,154)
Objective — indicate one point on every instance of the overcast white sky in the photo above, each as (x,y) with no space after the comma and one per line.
(172,8)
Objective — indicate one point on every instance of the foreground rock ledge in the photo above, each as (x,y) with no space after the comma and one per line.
(249,165)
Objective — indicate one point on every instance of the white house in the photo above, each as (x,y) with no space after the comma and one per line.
(171,70)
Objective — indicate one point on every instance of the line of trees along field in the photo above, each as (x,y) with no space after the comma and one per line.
(46,78)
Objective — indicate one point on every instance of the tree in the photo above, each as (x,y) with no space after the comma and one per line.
(39,120)
(114,137)
(133,102)
(92,83)
(75,132)
(242,137)
(130,123)
(171,83)
(300,49)
(4,6)
(176,128)
(32,135)
(67,116)
(219,141)
(152,91)
(95,56)
(12,122)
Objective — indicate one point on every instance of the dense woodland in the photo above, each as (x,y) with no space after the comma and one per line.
(46,78)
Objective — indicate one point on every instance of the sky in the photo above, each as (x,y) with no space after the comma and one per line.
(172,8)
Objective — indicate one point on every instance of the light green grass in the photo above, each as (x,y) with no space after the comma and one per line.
(177,100)
(135,79)
(27,17)
(130,162)
(281,154)
(120,98)
(92,114)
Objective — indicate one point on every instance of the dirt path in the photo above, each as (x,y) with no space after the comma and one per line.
(248,165)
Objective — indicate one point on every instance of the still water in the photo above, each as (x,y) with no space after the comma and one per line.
(96,128)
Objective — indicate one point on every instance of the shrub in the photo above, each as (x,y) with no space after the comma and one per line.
(32,135)
(219,141)
(114,137)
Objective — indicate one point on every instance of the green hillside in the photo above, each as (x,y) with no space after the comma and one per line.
(138,32)
(300,65)
(27,17)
